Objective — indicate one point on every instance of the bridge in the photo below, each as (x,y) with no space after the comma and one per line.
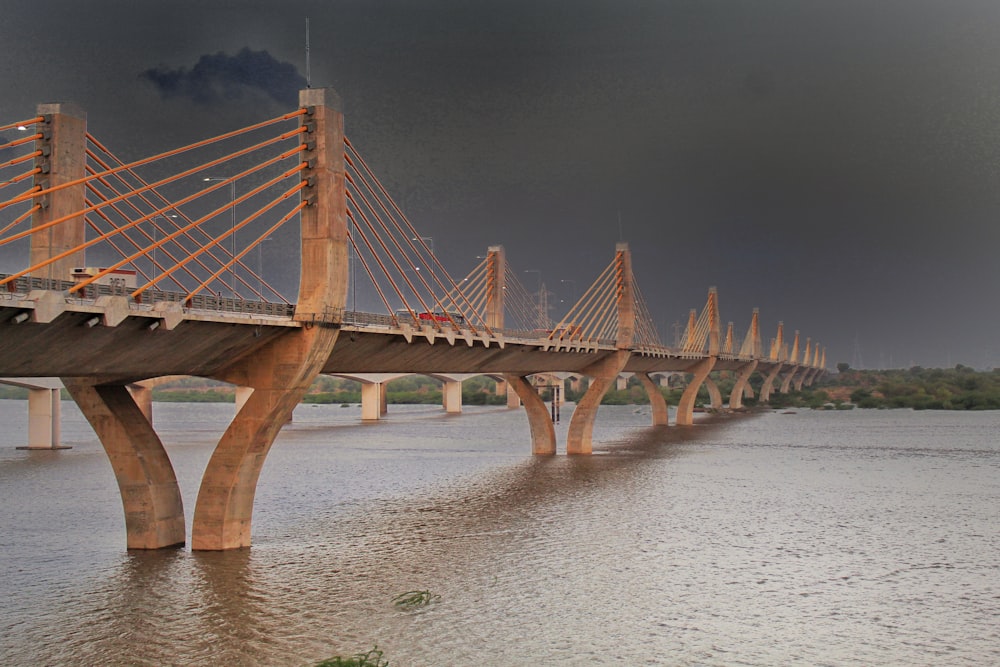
(130,271)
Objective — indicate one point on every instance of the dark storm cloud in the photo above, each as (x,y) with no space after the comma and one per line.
(220,77)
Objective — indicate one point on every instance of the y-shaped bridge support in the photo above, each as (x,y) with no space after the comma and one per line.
(579,438)
(280,375)
(685,408)
(714,395)
(742,385)
(657,403)
(154,514)
(543,433)
(768,385)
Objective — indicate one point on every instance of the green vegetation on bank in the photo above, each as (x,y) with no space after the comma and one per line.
(959,388)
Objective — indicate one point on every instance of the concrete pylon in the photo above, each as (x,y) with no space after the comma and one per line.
(778,343)
(282,372)
(451,396)
(143,397)
(44,414)
(794,356)
(543,432)
(742,384)
(767,387)
(513,399)
(799,377)
(62,159)
(714,395)
(44,410)
(756,346)
(657,403)
(579,437)
(496,287)
(154,514)
(372,395)
(685,407)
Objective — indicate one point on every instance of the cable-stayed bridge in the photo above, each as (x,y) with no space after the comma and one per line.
(119,272)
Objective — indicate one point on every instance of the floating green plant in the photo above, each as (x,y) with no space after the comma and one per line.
(372,658)
(414,599)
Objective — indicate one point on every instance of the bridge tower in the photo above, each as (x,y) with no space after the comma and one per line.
(604,372)
(62,160)
(496,292)
(278,374)
(700,370)
(803,369)
(793,360)
(742,385)
(283,371)
(496,286)
(775,358)
(154,514)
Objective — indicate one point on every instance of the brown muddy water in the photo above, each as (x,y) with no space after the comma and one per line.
(819,538)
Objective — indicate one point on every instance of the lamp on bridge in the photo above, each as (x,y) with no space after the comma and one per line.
(428,239)
(260,265)
(152,223)
(232,195)
(573,292)
(542,323)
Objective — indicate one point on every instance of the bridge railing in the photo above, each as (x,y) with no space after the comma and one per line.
(360,318)
(26,284)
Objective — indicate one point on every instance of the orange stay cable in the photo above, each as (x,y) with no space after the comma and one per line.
(285,218)
(21,218)
(413,231)
(149,202)
(140,221)
(170,237)
(19,160)
(93,225)
(170,218)
(203,249)
(392,258)
(23,123)
(368,270)
(163,199)
(197,144)
(22,140)
(171,179)
(226,267)
(152,221)
(406,257)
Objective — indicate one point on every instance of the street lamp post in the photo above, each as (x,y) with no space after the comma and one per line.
(429,239)
(155,229)
(541,319)
(232,239)
(573,288)
(260,265)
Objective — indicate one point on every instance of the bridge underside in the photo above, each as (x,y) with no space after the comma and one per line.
(386,352)
(128,351)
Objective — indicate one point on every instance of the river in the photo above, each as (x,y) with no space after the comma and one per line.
(815,538)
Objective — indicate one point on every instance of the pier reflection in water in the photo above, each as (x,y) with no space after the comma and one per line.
(840,538)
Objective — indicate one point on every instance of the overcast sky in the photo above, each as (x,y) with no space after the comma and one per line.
(834,163)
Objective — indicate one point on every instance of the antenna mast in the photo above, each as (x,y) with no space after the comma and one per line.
(308,73)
